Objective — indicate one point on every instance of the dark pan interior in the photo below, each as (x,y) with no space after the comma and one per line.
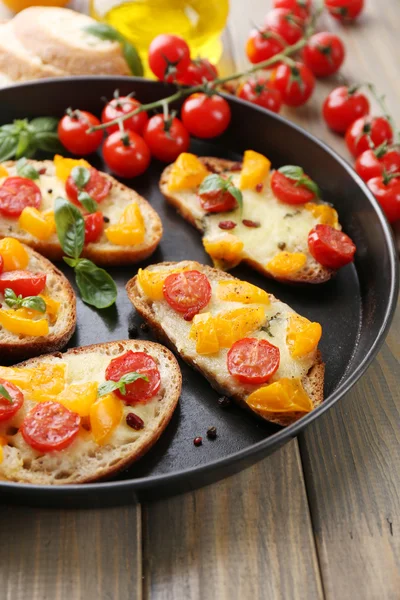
(354,309)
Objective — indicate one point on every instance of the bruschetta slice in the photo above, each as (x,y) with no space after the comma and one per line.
(86,414)
(249,345)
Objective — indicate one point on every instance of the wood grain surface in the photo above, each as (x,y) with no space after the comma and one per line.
(269,533)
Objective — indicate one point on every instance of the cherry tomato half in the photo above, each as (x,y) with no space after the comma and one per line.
(73,132)
(289,191)
(324,54)
(263,44)
(372,163)
(188,292)
(16,193)
(126,153)
(368,132)
(300,8)
(98,187)
(283,22)
(344,10)
(50,427)
(118,107)
(388,195)
(94,226)
(206,116)
(259,92)
(169,57)
(217,201)
(139,362)
(166,138)
(198,71)
(9,409)
(343,106)
(23,283)
(296,84)
(330,247)
(251,360)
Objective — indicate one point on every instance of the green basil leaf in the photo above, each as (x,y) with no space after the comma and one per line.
(70,227)
(44,124)
(72,262)
(81,176)
(292,172)
(96,286)
(5,394)
(48,141)
(110,386)
(11,298)
(104,32)
(237,194)
(25,169)
(88,202)
(132,57)
(8,146)
(310,185)
(24,141)
(35,303)
(212,183)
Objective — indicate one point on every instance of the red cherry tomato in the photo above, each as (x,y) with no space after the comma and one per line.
(330,247)
(263,44)
(139,362)
(373,163)
(118,107)
(283,22)
(50,427)
(289,191)
(387,191)
(198,71)
(98,187)
(259,92)
(1,264)
(206,116)
(169,57)
(296,84)
(187,292)
(300,8)
(94,226)
(368,132)
(9,409)
(344,10)
(73,132)
(16,193)
(166,138)
(343,106)
(324,54)
(251,360)
(23,283)
(126,154)
(217,201)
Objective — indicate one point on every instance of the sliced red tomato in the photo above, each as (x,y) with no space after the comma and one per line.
(140,391)
(94,226)
(330,247)
(49,427)
(217,201)
(16,193)
(253,361)
(9,409)
(188,292)
(98,187)
(289,191)
(373,163)
(23,283)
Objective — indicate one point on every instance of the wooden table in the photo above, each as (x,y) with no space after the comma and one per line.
(318,519)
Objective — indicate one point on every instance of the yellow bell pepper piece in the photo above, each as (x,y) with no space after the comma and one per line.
(35,223)
(236,324)
(152,282)
(255,169)
(285,395)
(64,166)
(130,230)
(17,323)
(187,172)
(105,416)
(302,336)
(286,263)
(15,256)
(326,214)
(3,171)
(204,332)
(226,250)
(77,397)
(48,377)
(241,291)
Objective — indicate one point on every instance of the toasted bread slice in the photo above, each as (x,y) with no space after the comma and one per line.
(16,347)
(101,252)
(171,328)
(282,226)
(85,460)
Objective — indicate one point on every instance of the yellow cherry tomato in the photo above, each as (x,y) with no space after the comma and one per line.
(17,323)
(241,291)
(285,264)
(15,256)
(64,166)
(152,282)
(77,397)
(302,336)
(105,416)
(225,251)
(131,228)
(236,324)
(48,377)
(326,214)
(203,330)
(255,169)
(35,223)
(187,172)
(284,395)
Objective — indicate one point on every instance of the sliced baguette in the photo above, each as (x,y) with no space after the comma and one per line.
(15,347)
(313,381)
(57,37)
(101,252)
(84,460)
(191,211)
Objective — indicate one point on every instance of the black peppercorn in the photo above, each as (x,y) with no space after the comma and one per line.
(212,433)
(133,331)
(106,219)
(224,402)
(144,327)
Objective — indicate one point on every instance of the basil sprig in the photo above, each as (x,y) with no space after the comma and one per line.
(25,169)
(106,32)
(96,286)
(5,394)
(23,138)
(81,177)
(110,386)
(298,175)
(214,182)
(32,302)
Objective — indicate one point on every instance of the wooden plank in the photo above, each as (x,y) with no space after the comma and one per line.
(246,537)
(70,555)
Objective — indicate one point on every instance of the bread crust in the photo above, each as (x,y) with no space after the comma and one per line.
(313,382)
(220,165)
